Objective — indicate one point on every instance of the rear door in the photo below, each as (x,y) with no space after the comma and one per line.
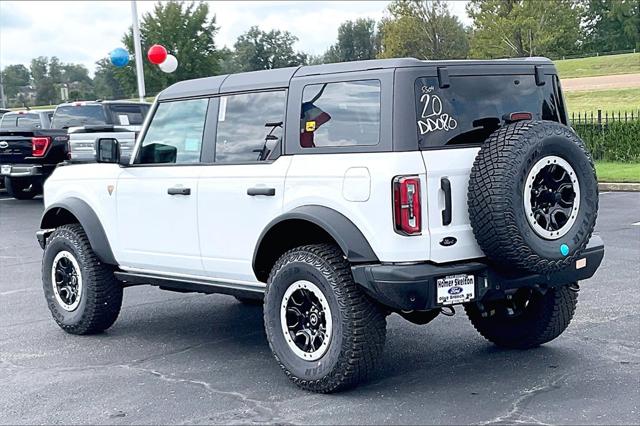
(451,123)
(158,195)
(242,189)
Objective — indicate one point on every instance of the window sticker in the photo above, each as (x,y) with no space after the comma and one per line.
(222,112)
(123,119)
(432,117)
(310,126)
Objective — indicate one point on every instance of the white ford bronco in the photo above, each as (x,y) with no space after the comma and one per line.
(338,194)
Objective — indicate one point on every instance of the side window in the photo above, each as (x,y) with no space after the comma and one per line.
(175,133)
(126,115)
(250,127)
(340,114)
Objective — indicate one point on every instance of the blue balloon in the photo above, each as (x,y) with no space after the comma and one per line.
(119,57)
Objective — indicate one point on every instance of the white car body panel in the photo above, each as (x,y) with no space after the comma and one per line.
(455,165)
(230,221)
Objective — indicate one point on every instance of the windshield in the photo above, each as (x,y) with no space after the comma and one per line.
(78,115)
(20,120)
(472,107)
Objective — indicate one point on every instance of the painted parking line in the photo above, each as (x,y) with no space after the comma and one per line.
(20,290)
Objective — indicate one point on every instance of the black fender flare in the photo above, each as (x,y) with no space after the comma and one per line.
(89,221)
(344,232)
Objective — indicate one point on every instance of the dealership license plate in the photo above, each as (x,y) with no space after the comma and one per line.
(454,289)
(5,170)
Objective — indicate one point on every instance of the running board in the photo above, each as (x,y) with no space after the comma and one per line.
(130,279)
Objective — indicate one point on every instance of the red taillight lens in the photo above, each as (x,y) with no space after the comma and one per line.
(39,146)
(519,116)
(406,205)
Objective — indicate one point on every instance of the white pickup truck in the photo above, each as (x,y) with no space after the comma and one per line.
(89,121)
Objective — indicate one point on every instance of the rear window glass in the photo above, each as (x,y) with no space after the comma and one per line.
(340,114)
(78,115)
(472,107)
(20,120)
(126,115)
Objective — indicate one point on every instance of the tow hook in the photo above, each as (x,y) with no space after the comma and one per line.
(574,287)
(447,311)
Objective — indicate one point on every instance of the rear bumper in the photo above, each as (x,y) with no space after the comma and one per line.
(23,170)
(413,287)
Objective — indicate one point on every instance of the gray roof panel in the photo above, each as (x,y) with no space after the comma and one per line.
(257,80)
(195,87)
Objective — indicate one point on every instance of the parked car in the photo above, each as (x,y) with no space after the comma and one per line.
(88,121)
(338,194)
(28,156)
(30,119)
(3,111)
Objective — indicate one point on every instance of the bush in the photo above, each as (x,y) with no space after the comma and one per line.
(616,141)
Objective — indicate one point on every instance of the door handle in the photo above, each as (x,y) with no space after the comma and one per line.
(446,213)
(261,190)
(178,190)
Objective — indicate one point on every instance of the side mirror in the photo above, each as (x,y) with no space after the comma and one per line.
(108,151)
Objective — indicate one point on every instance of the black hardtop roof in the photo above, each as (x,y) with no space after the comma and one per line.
(280,78)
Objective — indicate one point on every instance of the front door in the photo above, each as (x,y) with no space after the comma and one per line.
(242,190)
(158,195)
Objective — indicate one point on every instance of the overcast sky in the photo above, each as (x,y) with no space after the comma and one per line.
(83,32)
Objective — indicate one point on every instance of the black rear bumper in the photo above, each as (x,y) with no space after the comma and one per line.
(413,286)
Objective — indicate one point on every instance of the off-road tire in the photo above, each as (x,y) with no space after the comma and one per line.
(101,298)
(17,188)
(359,325)
(545,318)
(495,197)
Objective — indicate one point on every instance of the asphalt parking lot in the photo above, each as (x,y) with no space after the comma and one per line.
(191,359)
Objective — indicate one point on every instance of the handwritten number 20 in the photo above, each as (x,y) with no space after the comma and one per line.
(432,105)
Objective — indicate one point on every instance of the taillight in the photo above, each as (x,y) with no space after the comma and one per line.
(39,146)
(517,116)
(406,205)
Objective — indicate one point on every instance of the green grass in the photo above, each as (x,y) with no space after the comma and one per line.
(628,63)
(606,100)
(618,172)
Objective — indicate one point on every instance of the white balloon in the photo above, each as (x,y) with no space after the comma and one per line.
(170,64)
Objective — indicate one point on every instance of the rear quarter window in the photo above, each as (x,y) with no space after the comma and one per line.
(472,107)
(126,115)
(340,114)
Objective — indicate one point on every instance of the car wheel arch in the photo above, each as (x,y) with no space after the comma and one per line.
(309,224)
(75,210)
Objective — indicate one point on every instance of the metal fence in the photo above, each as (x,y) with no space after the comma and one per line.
(604,117)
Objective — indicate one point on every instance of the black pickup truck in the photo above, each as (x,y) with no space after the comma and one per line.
(28,157)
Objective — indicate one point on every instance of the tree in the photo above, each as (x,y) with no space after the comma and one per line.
(422,29)
(356,42)
(187,32)
(105,83)
(46,93)
(260,50)
(611,25)
(13,78)
(504,28)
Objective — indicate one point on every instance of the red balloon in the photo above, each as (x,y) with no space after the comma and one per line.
(157,54)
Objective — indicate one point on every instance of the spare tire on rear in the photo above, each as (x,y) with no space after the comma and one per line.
(533,196)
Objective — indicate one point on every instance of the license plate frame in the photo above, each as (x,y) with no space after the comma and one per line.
(5,169)
(455,289)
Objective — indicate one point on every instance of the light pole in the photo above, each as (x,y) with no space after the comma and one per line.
(137,50)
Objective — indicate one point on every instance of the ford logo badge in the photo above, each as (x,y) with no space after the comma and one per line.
(455,290)
(448,241)
(4,144)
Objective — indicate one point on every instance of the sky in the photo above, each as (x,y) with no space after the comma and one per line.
(84,32)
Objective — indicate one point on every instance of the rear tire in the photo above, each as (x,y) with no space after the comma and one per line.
(334,335)
(20,188)
(541,319)
(86,297)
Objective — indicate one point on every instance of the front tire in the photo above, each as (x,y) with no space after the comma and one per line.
(323,331)
(82,293)
(529,319)
(20,188)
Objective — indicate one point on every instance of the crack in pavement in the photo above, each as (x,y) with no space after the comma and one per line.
(261,412)
(516,414)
